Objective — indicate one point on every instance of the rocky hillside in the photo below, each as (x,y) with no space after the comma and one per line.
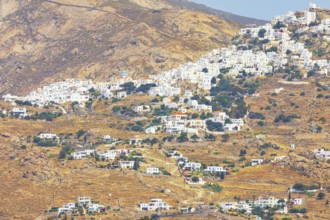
(185,4)
(45,40)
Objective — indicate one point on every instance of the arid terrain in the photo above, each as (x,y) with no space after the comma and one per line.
(44,41)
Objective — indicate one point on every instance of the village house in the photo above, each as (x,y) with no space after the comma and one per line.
(196,123)
(152,170)
(214,169)
(296,201)
(107,155)
(322,154)
(82,154)
(48,136)
(84,200)
(121,94)
(173,154)
(20,112)
(155,205)
(67,208)
(255,162)
(142,108)
(126,164)
(219,116)
(94,207)
(119,151)
(192,166)
(239,206)
(107,138)
(151,130)
(267,202)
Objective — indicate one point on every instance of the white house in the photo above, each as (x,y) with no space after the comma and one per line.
(126,164)
(150,130)
(121,94)
(192,166)
(322,154)
(82,154)
(107,155)
(297,201)
(84,200)
(155,205)
(152,170)
(21,112)
(214,169)
(66,208)
(173,154)
(47,136)
(255,162)
(95,207)
(142,108)
(267,202)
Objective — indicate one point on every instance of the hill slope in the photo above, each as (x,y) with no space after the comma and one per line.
(43,41)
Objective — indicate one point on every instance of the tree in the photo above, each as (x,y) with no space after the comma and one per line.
(183,137)
(195,179)
(205,70)
(116,109)
(129,87)
(214,80)
(136,164)
(194,116)
(262,33)
(225,137)
(80,133)
(242,153)
(320,196)
(279,25)
(23,147)
(195,137)
(62,154)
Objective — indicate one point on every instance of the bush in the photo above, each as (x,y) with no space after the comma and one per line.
(285,119)
(214,187)
(320,196)
(214,126)
(137,128)
(195,179)
(183,137)
(80,133)
(261,123)
(256,115)
(262,33)
(23,147)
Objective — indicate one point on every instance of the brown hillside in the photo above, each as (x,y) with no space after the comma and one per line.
(43,41)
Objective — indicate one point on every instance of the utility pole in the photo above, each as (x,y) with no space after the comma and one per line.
(1,11)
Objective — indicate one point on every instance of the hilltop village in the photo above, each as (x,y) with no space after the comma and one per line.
(197,102)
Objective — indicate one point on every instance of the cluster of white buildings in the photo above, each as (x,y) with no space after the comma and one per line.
(82,202)
(322,154)
(155,205)
(306,17)
(108,155)
(262,202)
(281,38)
(180,122)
